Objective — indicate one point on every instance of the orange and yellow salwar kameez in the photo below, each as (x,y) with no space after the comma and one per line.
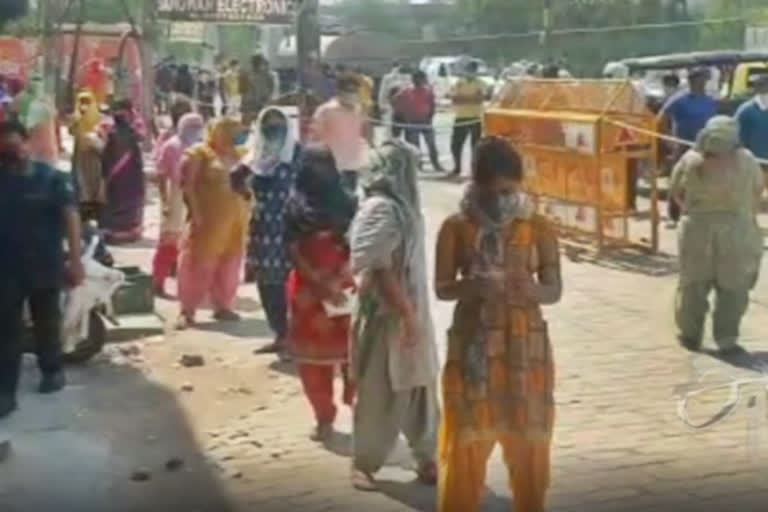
(499,376)
(213,246)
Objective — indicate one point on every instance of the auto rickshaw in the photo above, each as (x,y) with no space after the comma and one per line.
(737,70)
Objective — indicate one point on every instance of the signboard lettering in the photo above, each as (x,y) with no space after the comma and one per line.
(238,11)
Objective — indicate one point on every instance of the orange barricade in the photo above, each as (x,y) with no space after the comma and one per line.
(581,159)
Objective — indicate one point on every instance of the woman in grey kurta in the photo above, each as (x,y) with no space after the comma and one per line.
(718,184)
(394,358)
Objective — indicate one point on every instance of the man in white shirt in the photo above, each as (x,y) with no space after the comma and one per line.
(340,124)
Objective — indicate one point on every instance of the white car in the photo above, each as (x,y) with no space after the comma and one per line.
(454,68)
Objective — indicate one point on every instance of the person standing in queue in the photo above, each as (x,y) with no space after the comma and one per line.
(34,265)
(719,185)
(689,113)
(318,216)
(467,95)
(392,350)
(753,122)
(272,167)
(213,245)
(256,87)
(340,125)
(418,106)
(500,262)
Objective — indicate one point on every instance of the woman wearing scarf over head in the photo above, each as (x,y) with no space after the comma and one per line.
(719,185)
(86,157)
(394,358)
(318,216)
(190,131)
(213,244)
(123,166)
(500,262)
(273,166)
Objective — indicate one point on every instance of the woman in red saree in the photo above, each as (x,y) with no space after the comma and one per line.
(318,215)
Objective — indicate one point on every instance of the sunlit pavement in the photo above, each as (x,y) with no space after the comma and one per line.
(242,429)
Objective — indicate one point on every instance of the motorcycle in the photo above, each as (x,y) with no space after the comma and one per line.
(86,308)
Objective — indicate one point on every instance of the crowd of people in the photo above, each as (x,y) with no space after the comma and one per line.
(332,233)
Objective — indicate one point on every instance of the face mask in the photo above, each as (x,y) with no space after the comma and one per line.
(349,99)
(763,99)
(192,138)
(508,204)
(274,132)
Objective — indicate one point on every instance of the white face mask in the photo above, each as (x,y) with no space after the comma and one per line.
(763,97)
(349,99)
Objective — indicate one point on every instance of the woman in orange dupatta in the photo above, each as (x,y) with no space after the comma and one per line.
(213,245)
(500,261)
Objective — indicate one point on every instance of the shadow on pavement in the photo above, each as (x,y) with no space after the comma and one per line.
(754,361)
(112,440)
(245,328)
(284,367)
(416,496)
(626,260)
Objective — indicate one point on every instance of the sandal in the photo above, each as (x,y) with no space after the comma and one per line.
(226,315)
(184,322)
(322,433)
(427,474)
(363,481)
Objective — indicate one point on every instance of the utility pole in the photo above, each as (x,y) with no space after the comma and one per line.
(148,42)
(546,27)
(307,51)
(48,68)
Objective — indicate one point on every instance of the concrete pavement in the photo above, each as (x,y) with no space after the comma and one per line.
(240,424)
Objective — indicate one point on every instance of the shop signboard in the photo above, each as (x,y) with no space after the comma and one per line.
(273,12)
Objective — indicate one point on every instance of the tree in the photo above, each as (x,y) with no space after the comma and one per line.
(12,9)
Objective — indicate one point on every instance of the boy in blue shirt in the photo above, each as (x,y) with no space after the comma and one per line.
(689,113)
(753,121)
(37,212)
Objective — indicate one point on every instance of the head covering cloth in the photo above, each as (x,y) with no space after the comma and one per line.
(318,202)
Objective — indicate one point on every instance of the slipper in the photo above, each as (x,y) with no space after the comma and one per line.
(363,481)
(427,474)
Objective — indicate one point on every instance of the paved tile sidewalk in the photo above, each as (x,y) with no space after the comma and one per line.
(619,443)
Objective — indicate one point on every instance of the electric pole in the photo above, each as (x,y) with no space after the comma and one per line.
(307,51)
(546,27)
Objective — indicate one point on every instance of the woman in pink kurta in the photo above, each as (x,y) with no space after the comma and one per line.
(190,131)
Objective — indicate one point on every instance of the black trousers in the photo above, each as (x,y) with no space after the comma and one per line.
(274,302)
(397,128)
(413,136)
(463,128)
(46,317)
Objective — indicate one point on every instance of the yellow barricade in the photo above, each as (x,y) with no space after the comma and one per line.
(581,158)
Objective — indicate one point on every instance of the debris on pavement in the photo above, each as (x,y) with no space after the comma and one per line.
(141,475)
(187,387)
(131,350)
(192,360)
(174,464)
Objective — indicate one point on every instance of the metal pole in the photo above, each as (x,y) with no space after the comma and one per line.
(147,44)
(307,48)
(546,26)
